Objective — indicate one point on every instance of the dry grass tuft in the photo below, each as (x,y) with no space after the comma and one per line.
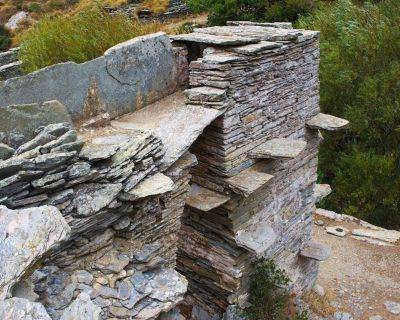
(156,6)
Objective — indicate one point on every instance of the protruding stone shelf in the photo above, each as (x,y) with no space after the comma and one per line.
(221,40)
(205,199)
(249,180)
(278,149)
(257,237)
(316,251)
(321,191)
(256,47)
(209,94)
(178,125)
(327,122)
(155,185)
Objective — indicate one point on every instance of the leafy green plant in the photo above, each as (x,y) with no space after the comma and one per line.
(268,295)
(360,81)
(79,38)
(221,11)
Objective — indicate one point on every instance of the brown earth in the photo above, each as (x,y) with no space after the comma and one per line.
(358,277)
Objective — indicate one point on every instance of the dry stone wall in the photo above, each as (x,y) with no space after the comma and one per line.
(161,212)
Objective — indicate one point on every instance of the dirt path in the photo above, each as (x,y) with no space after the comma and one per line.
(359,277)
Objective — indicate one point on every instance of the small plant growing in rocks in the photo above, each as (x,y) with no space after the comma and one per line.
(268,294)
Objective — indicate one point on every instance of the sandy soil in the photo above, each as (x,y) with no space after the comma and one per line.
(359,277)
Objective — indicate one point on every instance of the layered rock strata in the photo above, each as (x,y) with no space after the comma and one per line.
(254,195)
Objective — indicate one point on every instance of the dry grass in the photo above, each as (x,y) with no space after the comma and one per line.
(320,305)
(156,6)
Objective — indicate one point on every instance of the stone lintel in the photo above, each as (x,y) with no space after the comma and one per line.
(281,25)
(248,181)
(321,191)
(155,185)
(279,149)
(205,199)
(256,47)
(316,251)
(220,40)
(327,122)
(256,237)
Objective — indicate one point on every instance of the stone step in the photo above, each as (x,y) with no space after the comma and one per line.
(220,40)
(327,122)
(316,251)
(155,185)
(278,149)
(249,180)
(321,191)
(205,199)
(257,237)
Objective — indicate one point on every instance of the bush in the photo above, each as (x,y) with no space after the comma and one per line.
(5,40)
(360,81)
(34,7)
(268,294)
(79,38)
(221,11)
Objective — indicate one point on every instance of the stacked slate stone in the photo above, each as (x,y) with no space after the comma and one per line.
(252,196)
(124,216)
(10,67)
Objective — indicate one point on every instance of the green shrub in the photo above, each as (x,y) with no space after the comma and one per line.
(360,81)
(5,40)
(19,4)
(77,38)
(268,295)
(34,7)
(221,11)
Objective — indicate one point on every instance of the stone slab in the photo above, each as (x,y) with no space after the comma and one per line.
(205,199)
(22,309)
(278,149)
(321,191)
(327,122)
(185,124)
(155,185)
(248,181)
(256,47)
(128,76)
(391,236)
(281,25)
(316,251)
(257,237)
(19,122)
(221,40)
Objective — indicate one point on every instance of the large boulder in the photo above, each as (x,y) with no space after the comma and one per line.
(25,236)
(82,309)
(22,309)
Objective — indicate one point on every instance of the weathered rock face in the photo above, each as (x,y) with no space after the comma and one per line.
(18,309)
(25,236)
(127,77)
(82,309)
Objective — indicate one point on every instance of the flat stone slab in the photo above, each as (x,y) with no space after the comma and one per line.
(206,94)
(22,309)
(205,199)
(281,25)
(316,251)
(220,40)
(185,124)
(248,181)
(338,231)
(390,236)
(279,149)
(321,191)
(256,47)
(155,185)
(327,122)
(256,238)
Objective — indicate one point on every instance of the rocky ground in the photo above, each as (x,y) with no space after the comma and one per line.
(360,278)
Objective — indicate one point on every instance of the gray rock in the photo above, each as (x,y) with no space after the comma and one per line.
(11,70)
(146,252)
(205,199)
(82,276)
(321,191)
(111,262)
(60,197)
(319,290)
(5,151)
(316,251)
(23,120)
(375,318)
(278,149)
(168,285)
(206,94)
(233,312)
(221,40)
(337,231)
(342,316)
(92,197)
(82,309)
(155,185)
(52,160)
(25,289)
(21,309)
(392,307)
(15,20)
(25,236)
(327,122)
